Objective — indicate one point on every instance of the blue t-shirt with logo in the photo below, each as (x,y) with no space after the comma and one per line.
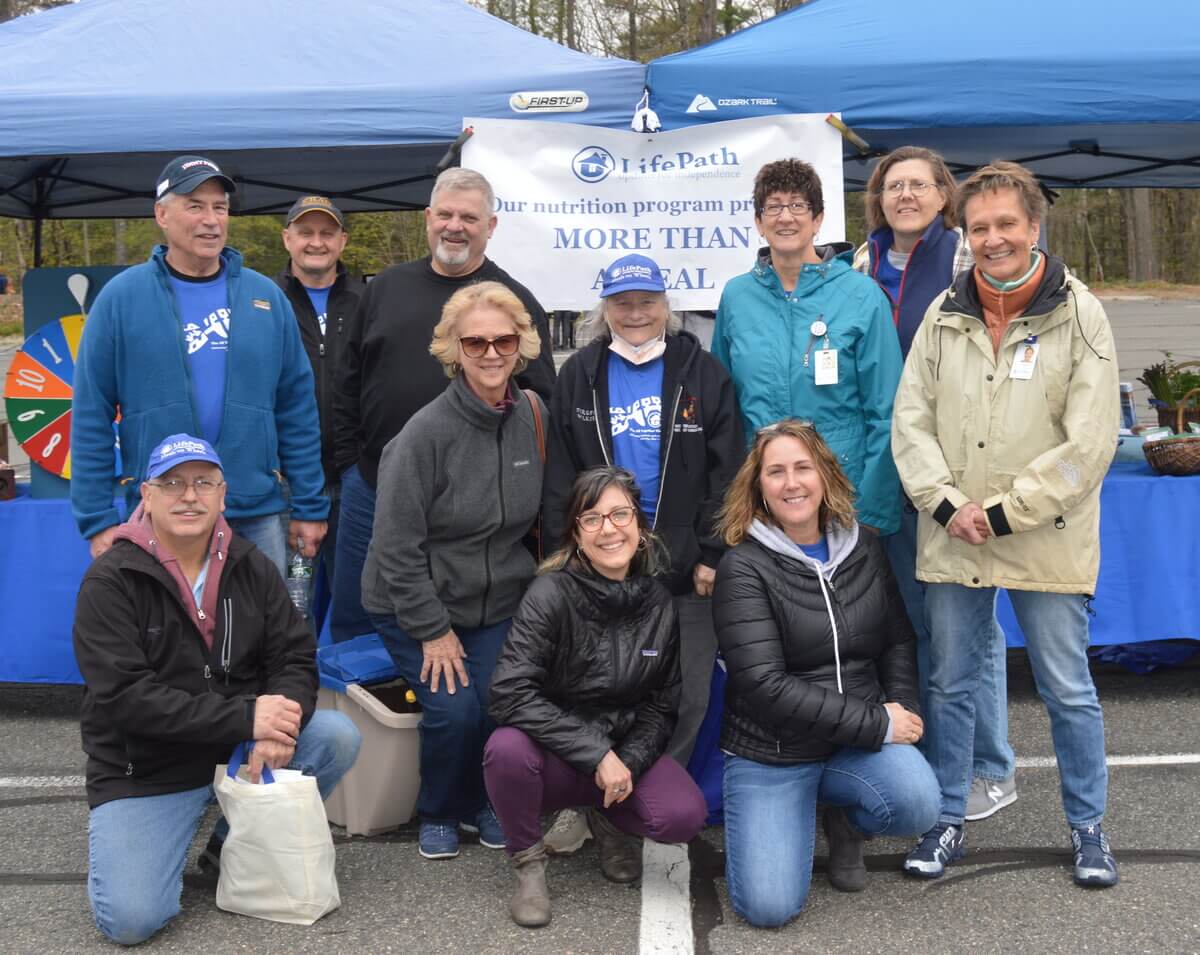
(320,303)
(635,412)
(204,313)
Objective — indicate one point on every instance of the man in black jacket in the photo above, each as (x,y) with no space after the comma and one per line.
(324,296)
(188,645)
(386,374)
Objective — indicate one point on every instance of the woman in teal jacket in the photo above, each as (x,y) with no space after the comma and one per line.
(804,335)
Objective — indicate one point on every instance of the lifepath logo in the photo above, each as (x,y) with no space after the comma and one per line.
(593,164)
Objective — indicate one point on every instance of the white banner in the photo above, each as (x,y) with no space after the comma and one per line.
(571,199)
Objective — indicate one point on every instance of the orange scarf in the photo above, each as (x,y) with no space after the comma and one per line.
(1001,308)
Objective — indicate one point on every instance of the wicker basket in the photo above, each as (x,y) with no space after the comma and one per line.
(1179,455)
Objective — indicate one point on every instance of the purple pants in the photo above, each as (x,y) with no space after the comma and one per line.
(526,781)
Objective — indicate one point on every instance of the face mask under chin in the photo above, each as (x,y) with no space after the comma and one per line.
(638,354)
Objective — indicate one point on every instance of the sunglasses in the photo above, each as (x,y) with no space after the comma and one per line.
(504,345)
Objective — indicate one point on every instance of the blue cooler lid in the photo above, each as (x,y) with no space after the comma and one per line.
(363,660)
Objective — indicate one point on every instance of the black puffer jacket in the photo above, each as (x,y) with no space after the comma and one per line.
(591,665)
(782,703)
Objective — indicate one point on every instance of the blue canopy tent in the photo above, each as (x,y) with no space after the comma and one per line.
(1085,93)
(356,99)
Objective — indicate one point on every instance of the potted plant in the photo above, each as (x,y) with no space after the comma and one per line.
(1170,382)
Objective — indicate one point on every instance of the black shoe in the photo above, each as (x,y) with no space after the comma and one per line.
(209,861)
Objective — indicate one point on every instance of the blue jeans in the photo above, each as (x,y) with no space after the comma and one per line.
(137,847)
(454,727)
(993,756)
(1056,637)
(771,811)
(356,522)
(268,533)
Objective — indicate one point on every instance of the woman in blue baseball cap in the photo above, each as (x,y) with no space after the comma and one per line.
(644,395)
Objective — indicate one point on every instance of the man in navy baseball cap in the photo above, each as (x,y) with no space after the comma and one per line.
(160,346)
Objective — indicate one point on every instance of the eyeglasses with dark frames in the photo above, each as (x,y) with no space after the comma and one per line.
(618,517)
(775,209)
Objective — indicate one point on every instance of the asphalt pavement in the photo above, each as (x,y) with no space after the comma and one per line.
(1012,893)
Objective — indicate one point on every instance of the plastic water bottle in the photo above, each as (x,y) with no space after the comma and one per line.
(299,580)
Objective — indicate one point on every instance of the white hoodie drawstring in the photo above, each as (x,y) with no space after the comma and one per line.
(837,658)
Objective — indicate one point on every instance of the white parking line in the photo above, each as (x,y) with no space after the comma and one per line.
(666,925)
(1166,759)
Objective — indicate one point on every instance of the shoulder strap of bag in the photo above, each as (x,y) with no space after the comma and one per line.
(239,755)
(536,404)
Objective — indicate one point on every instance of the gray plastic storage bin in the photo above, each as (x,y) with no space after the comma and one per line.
(380,791)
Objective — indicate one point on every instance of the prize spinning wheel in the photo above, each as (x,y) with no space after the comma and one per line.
(38,387)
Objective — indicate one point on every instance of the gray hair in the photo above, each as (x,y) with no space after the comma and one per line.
(171,196)
(461,180)
(594,323)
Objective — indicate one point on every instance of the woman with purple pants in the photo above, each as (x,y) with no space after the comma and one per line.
(586,693)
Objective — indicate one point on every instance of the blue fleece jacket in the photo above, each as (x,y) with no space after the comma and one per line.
(133,360)
(762,335)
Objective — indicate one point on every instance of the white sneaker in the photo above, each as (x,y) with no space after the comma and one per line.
(569,832)
(989,796)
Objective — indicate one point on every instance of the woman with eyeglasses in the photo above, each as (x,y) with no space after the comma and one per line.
(822,702)
(915,251)
(459,488)
(644,395)
(585,695)
(805,335)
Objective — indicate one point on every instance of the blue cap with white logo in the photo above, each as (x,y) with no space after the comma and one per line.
(632,273)
(178,449)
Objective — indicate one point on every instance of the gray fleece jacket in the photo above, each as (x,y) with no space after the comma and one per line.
(459,487)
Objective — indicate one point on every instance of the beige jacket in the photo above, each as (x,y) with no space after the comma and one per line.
(1032,452)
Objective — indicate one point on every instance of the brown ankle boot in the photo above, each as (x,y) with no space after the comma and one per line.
(530,902)
(847,871)
(620,853)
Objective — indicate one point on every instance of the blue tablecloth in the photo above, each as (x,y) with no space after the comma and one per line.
(1149,585)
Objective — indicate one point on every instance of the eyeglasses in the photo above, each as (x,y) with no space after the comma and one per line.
(775,209)
(475,347)
(918,187)
(174,487)
(618,517)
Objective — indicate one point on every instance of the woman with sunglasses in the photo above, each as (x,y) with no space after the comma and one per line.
(822,702)
(585,695)
(915,251)
(644,395)
(803,334)
(459,488)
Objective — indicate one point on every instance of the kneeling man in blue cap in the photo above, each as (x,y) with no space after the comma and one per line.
(188,645)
